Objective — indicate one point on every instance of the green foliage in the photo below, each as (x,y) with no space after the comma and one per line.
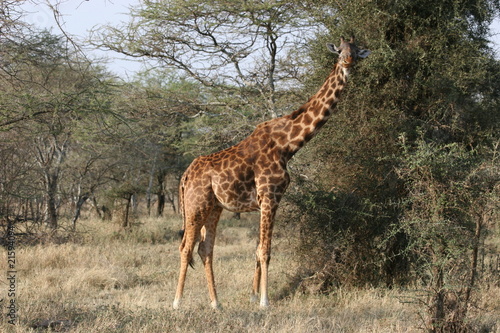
(48,94)
(437,180)
(340,235)
(432,83)
(452,193)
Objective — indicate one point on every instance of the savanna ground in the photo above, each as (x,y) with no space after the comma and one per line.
(105,279)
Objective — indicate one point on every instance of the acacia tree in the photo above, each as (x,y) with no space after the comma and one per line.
(241,49)
(432,81)
(454,195)
(15,176)
(48,92)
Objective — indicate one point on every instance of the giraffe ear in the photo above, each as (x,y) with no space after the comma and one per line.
(363,53)
(332,48)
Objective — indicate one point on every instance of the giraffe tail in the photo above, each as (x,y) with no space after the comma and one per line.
(182,233)
(181,204)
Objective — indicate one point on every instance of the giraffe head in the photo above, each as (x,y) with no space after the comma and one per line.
(348,52)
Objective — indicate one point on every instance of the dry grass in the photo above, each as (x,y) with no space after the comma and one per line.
(124,281)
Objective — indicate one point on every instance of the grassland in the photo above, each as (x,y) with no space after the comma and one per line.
(110,280)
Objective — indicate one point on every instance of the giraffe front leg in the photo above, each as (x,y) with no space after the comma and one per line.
(256,281)
(264,258)
(264,254)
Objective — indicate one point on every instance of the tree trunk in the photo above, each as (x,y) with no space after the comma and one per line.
(437,294)
(161,204)
(148,193)
(125,223)
(170,198)
(50,152)
(160,207)
(51,187)
(134,203)
(78,208)
(96,207)
(481,220)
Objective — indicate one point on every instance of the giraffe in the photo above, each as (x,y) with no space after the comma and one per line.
(252,176)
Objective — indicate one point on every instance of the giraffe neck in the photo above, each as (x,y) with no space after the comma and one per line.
(310,117)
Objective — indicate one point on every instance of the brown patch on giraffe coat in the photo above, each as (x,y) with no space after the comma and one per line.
(318,111)
(307,119)
(281,139)
(266,172)
(322,92)
(296,130)
(287,127)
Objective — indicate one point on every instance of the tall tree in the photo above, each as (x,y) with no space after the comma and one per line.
(240,48)
(47,91)
(432,82)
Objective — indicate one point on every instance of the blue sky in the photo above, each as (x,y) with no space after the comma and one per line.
(79,16)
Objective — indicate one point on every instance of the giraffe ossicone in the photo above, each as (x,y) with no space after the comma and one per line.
(252,176)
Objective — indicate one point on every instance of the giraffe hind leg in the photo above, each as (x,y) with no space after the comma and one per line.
(205,250)
(181,236)
(189,239)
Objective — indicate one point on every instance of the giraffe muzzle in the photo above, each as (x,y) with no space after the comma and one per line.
(348,62)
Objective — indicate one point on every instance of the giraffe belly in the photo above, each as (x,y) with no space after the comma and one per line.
(238,199)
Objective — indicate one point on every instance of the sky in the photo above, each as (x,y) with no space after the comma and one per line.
(80,16)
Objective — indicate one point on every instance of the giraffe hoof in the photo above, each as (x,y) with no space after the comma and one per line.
(254,298)
(176,304)
(216,305)
(264,303)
